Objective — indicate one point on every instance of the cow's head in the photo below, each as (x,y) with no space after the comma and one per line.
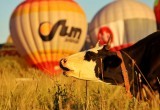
(95,64)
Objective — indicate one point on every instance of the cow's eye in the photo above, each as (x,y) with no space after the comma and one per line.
(90,56)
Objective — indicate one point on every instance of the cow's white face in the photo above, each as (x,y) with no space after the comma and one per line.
(78,66)
(94,64)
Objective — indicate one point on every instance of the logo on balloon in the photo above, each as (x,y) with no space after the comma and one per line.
(104,34)
(47,31)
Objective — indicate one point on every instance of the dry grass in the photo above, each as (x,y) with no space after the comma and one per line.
(25,88)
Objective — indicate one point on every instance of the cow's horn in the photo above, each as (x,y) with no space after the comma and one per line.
(97,44)
(109,40)
(108,44)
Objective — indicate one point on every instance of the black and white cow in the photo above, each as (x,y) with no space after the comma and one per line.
(100,63)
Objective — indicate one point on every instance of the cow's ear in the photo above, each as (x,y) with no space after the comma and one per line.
(111,61)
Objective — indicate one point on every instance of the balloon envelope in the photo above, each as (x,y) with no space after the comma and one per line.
(44,31)
(124,21)
(157,12)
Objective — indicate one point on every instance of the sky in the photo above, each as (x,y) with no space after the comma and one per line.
(91,7)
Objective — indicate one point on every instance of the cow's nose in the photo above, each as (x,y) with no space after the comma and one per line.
(63,61)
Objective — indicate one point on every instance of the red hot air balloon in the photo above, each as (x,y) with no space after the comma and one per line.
(44,31)
(157,12)
(104,34)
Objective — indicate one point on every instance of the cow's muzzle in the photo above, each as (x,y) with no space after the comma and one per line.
(62,63)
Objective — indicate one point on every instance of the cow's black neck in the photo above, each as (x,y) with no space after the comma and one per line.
(146,55)
(141,50)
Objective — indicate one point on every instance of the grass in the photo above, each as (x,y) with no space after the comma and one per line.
(26,88)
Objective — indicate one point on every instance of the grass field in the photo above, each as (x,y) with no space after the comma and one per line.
(26,88)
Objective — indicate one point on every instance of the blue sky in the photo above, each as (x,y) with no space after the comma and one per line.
(91,7)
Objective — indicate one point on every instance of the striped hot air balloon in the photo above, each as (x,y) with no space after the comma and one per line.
(44,31)
(125,21)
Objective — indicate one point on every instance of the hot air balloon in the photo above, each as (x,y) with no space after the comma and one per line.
(124,21)
(9,40)
(157,12)
(8,49)
(44,31)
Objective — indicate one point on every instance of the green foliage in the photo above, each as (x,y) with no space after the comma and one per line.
(26,88)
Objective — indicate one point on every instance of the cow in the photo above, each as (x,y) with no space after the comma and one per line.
(132,66)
